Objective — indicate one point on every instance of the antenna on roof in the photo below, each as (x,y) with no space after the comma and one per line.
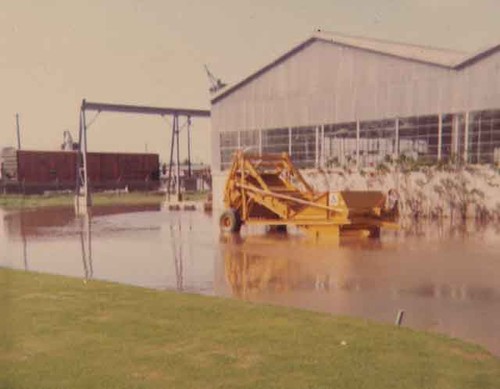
(216,83)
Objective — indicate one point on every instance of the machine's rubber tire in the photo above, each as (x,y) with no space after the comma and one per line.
(230,221)
(374,233)
(278,229)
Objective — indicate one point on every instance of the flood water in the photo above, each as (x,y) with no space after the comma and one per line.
(445,279)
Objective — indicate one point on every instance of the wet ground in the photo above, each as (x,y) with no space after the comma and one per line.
(445,279)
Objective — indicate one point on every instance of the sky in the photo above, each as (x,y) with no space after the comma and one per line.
(54,53)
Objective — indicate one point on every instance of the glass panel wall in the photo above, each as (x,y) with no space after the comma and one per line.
(447,151)
(484,137)
(249,141)
(418,137)
(275,141)
(304,147)
(377,141)
(228,145)
(339,144)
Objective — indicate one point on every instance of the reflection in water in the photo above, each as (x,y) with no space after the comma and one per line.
(86,245)
(446,285)
(445,229)
(268,264)
(25,242)
(177,244)
(265,264)
(249,273)
(57,221)
(280,263)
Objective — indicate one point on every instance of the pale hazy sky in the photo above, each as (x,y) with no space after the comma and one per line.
(54,53)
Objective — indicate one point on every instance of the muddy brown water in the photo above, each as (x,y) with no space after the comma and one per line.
(445,279)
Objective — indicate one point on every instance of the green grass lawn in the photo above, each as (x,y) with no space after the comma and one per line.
(58,332)
(35,201)
(195,196)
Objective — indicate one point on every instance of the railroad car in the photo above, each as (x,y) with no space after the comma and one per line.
(33,171)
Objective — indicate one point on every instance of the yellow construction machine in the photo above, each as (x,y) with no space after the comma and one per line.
(269,190)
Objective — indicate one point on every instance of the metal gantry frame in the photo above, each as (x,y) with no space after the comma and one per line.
(83,198)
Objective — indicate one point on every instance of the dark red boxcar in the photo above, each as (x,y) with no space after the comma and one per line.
(105,170)
(46,166)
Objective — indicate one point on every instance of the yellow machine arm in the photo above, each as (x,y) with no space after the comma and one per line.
(269,190)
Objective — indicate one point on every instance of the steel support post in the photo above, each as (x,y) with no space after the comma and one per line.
(466,138)
(440,137)
(322,147)
(179,198)
(86,187)
(396,141)
(171,161)
(79,161)
(260,141)
(189,144)
(479,140)
(454,135)
(358,130)
(316,147)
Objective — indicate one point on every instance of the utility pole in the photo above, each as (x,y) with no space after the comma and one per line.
(18,132)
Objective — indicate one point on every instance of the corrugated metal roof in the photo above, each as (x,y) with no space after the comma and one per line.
(477,55)
(432,55)
(451,59)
